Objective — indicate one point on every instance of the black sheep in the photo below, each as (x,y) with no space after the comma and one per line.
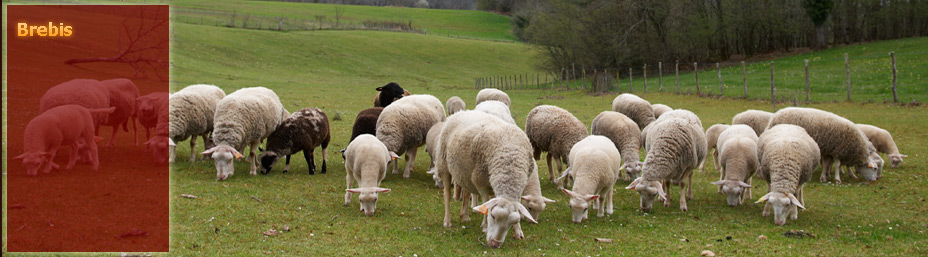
(365,123)
(303,131)
(389,93)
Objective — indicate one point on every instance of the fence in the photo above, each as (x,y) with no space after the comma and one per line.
(895,77)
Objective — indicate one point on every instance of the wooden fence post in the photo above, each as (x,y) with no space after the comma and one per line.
(696,74)
(618,82)
(676,75)
(847,71)
(773,88)
(644,71)
(807,81)
(630,85)
(721,89)
(582,77)
(573,71)
(660,77)
(892,55)
(744,79)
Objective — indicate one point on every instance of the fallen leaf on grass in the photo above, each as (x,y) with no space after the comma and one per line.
(188,196)
(604,240)
(271,232)
(257,199)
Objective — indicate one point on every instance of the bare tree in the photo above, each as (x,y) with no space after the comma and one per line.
(142,47)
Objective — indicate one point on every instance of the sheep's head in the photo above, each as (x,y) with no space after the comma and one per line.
(733,190)
(222,156)
(648,191)
(873,169)
(268,159)
(633,169)
(368,198)
(33,160)
(896,159)
(389,93)
(436,177)
(535,204)
(783,205)
(579,204)
(145,105)
(502,214)
(159,146)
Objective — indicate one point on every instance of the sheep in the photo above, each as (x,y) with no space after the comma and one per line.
(687,115)
(455,104)
(837,138)
(244,118)
(122,94)
(304,130)
(624,133)
(68,125)
(594,165)
(659,109)
(637,109)
(757,120)
(191,115)
(404,124)
(161,145)
(883,141)
(532,199)
(675,148)
(366,162)
(496,108)
(487,94)
(554,130)
(148,107)
(366,122)
(431,145)
(787,156)
(389,93)
(486,156)
(737,158)
(712,138)
(84,92)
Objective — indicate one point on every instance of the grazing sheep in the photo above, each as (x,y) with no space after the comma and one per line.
(148,108)
(624,133)
(122,93)
(787,156)
(594,165)
(712,138)
(837,138)
(68,125)
(737,157)
(388,94)
(486,156)
(456,104)
(161,145)
(244,118)
(883,142)
(637,109)
(304,130)
(757,120)
(431,147)
(191,114)
(496,108)
(366,162)
(89,93)
(532,199)
(554,130)
(675,148)
(487,94)
(403,126)
(659,109)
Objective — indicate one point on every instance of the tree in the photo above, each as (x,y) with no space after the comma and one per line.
(818,11)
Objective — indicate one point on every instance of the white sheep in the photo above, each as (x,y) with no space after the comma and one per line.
(787,156)
(624,133)
(675,147)
(123,94)
(687,115)
(712,138)
(737,148)
(554,130)
(837,138)
(191,114)
(756,119)
(404,125)
(244,118)
(69,125)
(366,162)
(637,109)
(487,94)
(594,165)
(659,109)
(496,108)
(883,142)
(161,144)
(455,104)
(486,156)
(532,199)
(149,107)
(84,92)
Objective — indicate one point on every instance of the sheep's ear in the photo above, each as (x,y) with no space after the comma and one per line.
(237,154)
(592,197)
(97,139)
(793,200)
(764,198)
(745,185)
(898,155)
(171,142)
(20,157)
(485,207)
(381,190)
(380,89)
(719,183)
(546,200)
(204,153)
(393,156)
(660,192)
(633,184)
(623,166)
(568,192)
(525,214)
(353,190)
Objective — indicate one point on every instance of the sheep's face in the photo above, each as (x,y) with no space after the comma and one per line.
(145,105)
(784,205)
(535,204)
(648,191)
(32,161)
(159,148)
(633,169)
(733,190)
(368,198)
(222,157)
(873,169)
(579,204)
(502,214)
(896,159)
(268,159)
(437,178)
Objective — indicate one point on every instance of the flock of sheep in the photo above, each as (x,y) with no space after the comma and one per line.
(480,157)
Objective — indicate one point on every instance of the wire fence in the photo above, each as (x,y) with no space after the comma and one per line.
(893,77)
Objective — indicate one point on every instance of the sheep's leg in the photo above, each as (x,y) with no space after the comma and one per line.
(747,194)
(458,193)
(72,156)
(721,170)
(851,172)
(112,141)
(766,209)
(147,133)
(348,182)
(310,161)
(465,209)
(666,187)
(474,200)
(837,171)
(826,166)
(396,165)
(253,156)
(51,161)
(484,197)
(551,174)
(715,159)
(410,161)
(324,158)
(689,188)
(94,153)
(446,180)
(683,190)
(609,209)
(701,164)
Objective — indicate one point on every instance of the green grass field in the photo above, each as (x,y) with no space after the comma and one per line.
(337,72)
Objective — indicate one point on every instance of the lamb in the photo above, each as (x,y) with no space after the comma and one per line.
(244,118)
(554,130)
(787,156)
(191,115)
(455,104)
(389,93)
(637,109)
(366,162)
(148,108)
(883,141)
(675,148)
(837,138)
(486,156)
(84,92)
(756,119)
(304,130)
(712,138)
(69,125)
(404,124)
(624,133)
(532,199)
(431,147)
(496,108)
(659,109)
(594,165)
(122,94)
(737,163)
(487,94)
